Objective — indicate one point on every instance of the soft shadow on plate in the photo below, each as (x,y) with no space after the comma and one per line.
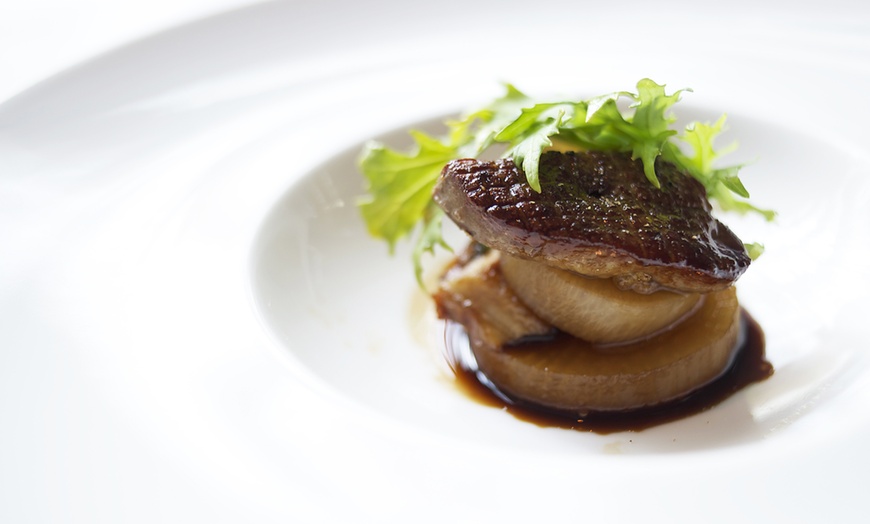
(350,313)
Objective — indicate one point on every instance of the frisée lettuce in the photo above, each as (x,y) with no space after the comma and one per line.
(399,184)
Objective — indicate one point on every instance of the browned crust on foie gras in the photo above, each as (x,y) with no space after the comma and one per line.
(599,216)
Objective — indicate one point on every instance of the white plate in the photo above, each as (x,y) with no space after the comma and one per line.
(196,328)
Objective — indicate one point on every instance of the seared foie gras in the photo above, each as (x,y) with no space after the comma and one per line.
(597,215)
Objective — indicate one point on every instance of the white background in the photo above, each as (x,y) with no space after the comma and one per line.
(39,38)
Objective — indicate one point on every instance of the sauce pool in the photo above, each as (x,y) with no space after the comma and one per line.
(749,366)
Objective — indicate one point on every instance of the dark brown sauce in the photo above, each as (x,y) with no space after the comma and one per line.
(749,366)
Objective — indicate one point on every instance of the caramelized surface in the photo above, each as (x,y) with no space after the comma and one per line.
(599,216)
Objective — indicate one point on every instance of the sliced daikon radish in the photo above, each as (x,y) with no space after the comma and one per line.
(591,309)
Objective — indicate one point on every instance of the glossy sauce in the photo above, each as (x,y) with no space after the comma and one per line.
(749,366)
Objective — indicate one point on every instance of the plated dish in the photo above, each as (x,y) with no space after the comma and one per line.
(595,283)
(198,310)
